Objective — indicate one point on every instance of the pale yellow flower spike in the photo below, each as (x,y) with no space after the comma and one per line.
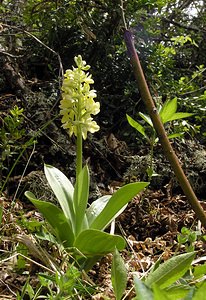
(77,104)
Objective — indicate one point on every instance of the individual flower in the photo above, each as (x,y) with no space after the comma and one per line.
(77,104)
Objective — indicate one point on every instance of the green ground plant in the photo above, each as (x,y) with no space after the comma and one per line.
(188,237)
(168,113)
(12,143)
(68,285)
(175,279)
(11,133)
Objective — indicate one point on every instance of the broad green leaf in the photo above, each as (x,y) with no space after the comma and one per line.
(136,125)
(171,270)
(158,293)
(96,207)
(63,190)
(168,110)
(119,275)
(146,118)
(180,115)
(93,242)
(55,218)
(177,292)
(81,195)
(200,293)
(118,200)
(199,271)
(142,291)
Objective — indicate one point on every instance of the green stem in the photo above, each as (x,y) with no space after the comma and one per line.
(79,131)
(79,151)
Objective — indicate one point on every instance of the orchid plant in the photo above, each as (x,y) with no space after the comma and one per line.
(76,225)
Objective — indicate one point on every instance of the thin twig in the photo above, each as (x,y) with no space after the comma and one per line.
(35,250)
(8,287)
(61,71)
(29,259)
(22,176)
(40,130)
(193,92)
(123,14)
(10,55)
(14,165)
(132,249)
(128,293)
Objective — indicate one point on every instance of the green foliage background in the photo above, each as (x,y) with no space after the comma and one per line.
(169,36)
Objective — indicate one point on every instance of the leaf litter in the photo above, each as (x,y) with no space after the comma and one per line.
(150,224)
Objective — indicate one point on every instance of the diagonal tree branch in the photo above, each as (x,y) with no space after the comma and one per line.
(157,123)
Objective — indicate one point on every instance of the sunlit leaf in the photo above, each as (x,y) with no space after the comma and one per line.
(158,293)
(178,292)
(63,190)
(168,110)
(95,242)
(180,115)
(96,207)
(146,118)
(175,135)
(55,218)
(119,275)
(171,270)
(136,125)
(200,293)
(142,291)
(199,271)
(118,200)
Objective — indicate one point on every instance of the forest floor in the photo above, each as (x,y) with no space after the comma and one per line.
(150,224)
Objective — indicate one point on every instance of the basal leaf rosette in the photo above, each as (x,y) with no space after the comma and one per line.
(77,104)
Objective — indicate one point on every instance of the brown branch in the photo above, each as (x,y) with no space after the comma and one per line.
(158,125)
